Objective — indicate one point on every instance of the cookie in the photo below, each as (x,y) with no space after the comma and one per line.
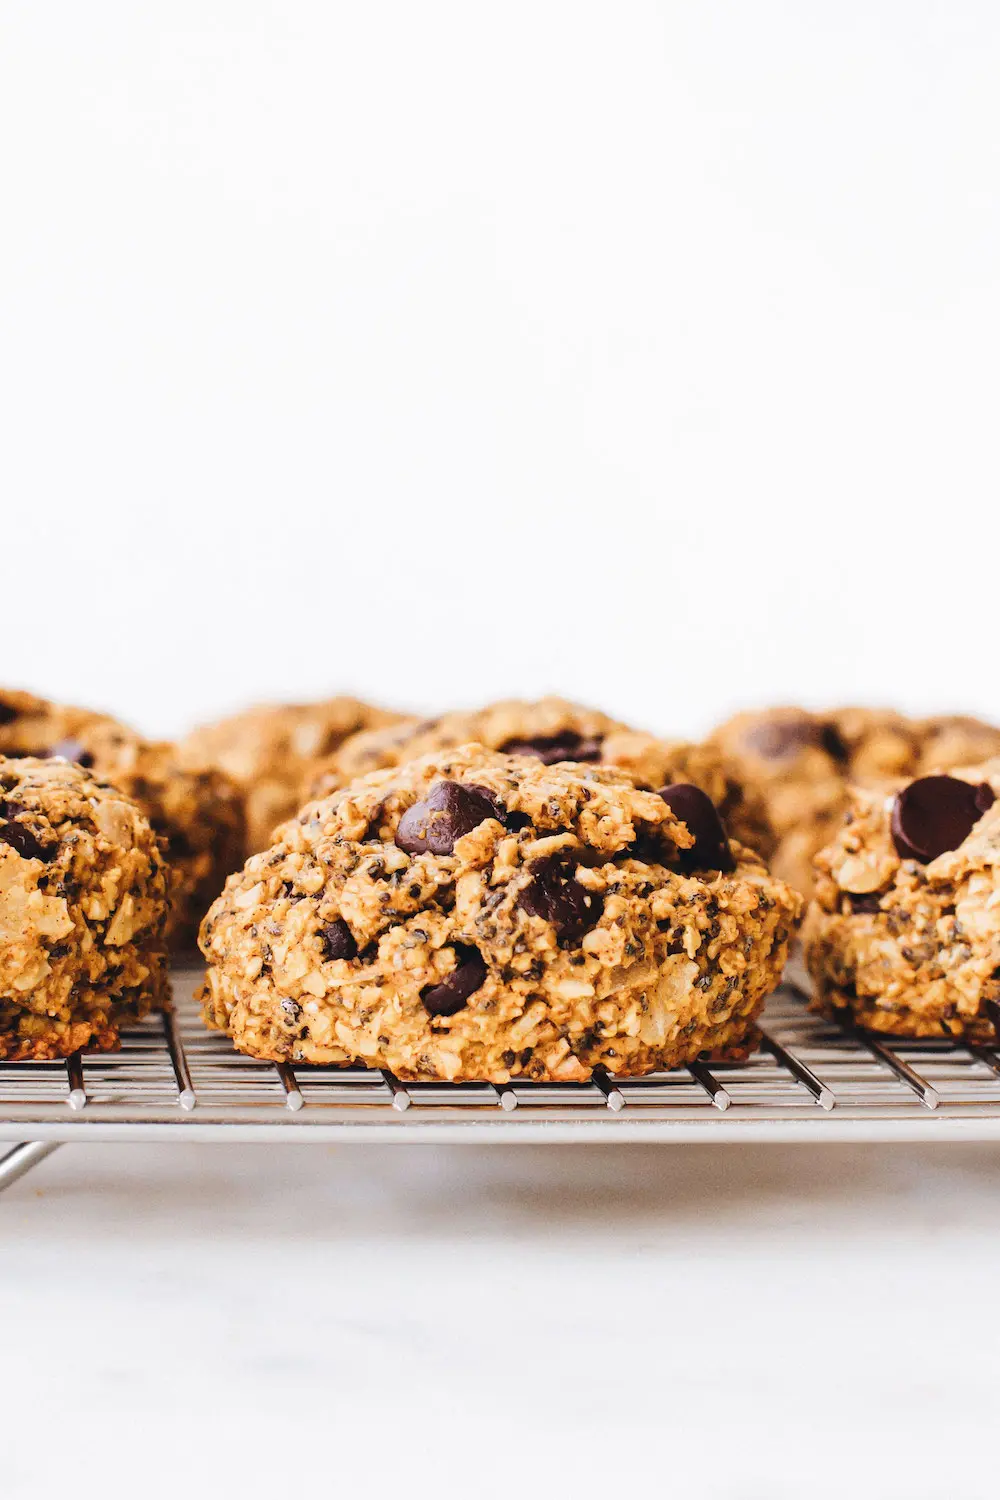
(83,903)
(271,752)
(197,811)
(550,729)
(955,740)
(903,934)
(473,915)
(554,730)
(801,763)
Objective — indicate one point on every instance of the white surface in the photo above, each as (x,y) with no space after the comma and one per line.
(644,351)
(647,352)
(732,1324)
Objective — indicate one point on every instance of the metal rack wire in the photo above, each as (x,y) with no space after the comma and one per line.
(810,1081)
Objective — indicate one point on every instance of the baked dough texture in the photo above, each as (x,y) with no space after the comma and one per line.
(558,730)
(656,762)
(801,764)
(196,810)
(900,942)
(83,903)
(271,752)
(472,915)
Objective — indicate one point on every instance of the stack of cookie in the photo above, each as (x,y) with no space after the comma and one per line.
(803,764)
(531,889)
(892,826)
(528,890)
(196,809)
(112,847)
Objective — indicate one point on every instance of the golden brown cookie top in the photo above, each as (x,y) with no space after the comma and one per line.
(600,807)
(777,744)
(30,725)
(852,744)
(802,762)
(271,750)
(48,807)
(552,729)
(940,827)
(271,737)
(955,740)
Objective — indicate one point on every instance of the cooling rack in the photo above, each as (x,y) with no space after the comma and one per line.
(810,1081)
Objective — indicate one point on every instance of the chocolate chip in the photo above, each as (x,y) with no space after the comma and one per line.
(450,810)
(550,748)
(338,940)
(651,848)
(20,837)
(831,740)
(7,713)
(71,750)
(697,812)
(555,895)
(985,797)
(514,822)
(936,813)
(867,901)
(780,739)
(465,979)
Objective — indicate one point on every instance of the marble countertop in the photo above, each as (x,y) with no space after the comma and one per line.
(740,1321)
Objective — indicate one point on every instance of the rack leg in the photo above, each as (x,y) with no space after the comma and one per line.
(22,1159)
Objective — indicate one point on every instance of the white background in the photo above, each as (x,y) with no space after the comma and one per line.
(645,352)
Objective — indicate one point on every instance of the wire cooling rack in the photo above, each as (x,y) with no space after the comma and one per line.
(810,1081)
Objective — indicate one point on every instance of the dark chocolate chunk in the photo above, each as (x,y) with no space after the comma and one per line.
(71,750)
(515,821)
(7,713)
(555,895)
(465,979)
(697,812)
(831,740)
(450,810)
(20,837)
(936,813)
(864,901)
(550,748)
(651,848)
(338,940)
(985,796)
